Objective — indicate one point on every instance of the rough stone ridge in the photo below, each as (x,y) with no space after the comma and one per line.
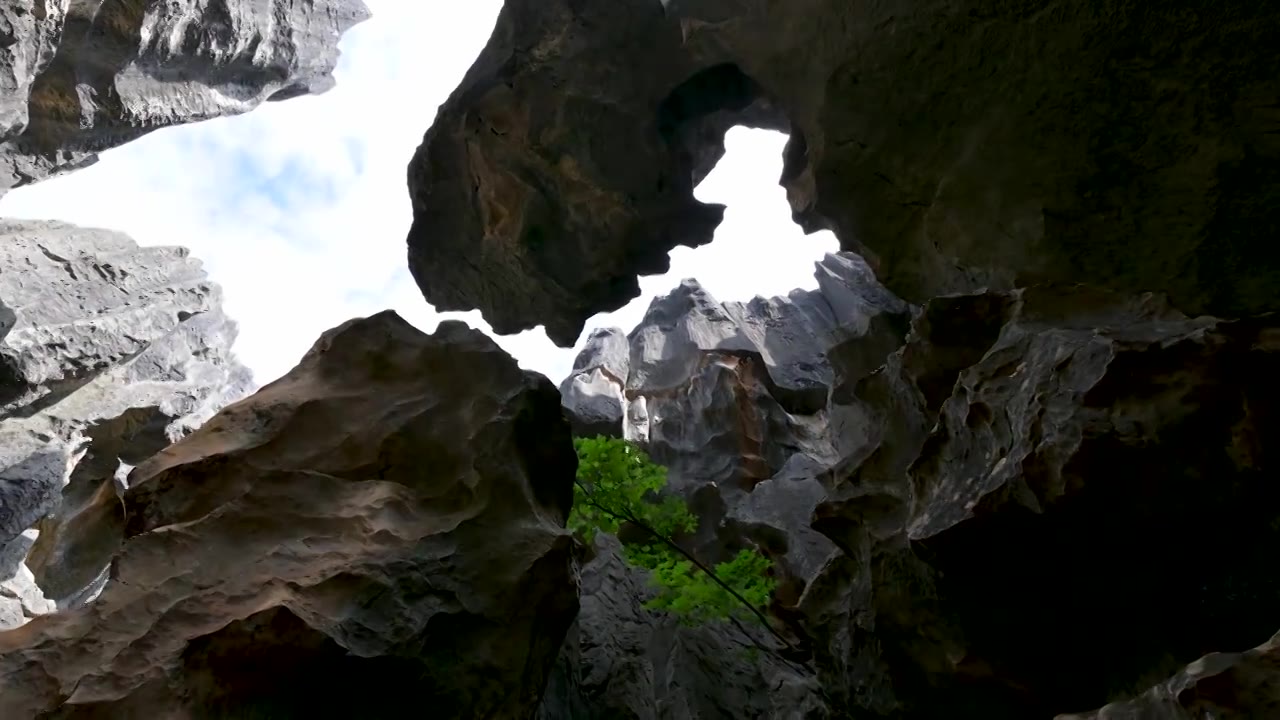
(78,77)
(593,393)
(1045,500)
(1057,497)
(382,528)
(734,398)
(108,352)
(957,145)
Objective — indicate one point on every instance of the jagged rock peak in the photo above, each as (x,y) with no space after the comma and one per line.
(732,398)
(607,349)
(381,528)
(937,140)
(614,375)
(791,333)
(78,77)
(108,353)
(592,395)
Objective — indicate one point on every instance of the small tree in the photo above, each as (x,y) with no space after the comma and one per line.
(618,484)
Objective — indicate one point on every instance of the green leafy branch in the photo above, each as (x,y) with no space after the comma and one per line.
(617,483)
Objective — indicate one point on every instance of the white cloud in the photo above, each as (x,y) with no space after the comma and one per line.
(299,209)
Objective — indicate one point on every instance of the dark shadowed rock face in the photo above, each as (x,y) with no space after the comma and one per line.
(108,353)
(1045,500)
(380,529)
(78,77)
(1234,686)
(731,398)
(957,145)
(1061,498)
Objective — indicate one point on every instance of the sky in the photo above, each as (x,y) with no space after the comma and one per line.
(300,209)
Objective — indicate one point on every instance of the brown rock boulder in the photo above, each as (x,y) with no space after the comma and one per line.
(382,529)
(957,145)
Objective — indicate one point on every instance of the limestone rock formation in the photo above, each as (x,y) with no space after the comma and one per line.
(1060,497)
(108,352)
(80,77)
(1045,500)
(956,145)
(380,529)
(734,392)
(593,394)
(734,396)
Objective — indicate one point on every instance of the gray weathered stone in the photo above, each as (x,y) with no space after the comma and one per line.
(108,352)
(80,77)
(593,395)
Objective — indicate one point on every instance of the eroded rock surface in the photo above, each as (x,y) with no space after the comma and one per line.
(957,145)
(1061,497)
(1043,501)
(734,403)
(108,353)
(380,529)
(78,77)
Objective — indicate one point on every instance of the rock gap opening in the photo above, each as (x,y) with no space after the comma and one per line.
(758,249)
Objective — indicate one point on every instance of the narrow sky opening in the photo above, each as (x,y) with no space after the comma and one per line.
(299,209)
(757,250)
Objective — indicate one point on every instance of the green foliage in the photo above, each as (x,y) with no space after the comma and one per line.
(688,593)
(618,483)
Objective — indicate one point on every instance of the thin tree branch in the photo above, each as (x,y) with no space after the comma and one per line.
(631,518)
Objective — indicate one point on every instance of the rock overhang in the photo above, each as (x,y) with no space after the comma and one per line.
(936,140)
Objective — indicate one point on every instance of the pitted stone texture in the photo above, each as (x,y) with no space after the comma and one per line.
(29,35)
(80,77)
(957,145)
(593,395)
(388,516)
(735,394)
(78,302)
(108,353)
(790,333)
(1045,475)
